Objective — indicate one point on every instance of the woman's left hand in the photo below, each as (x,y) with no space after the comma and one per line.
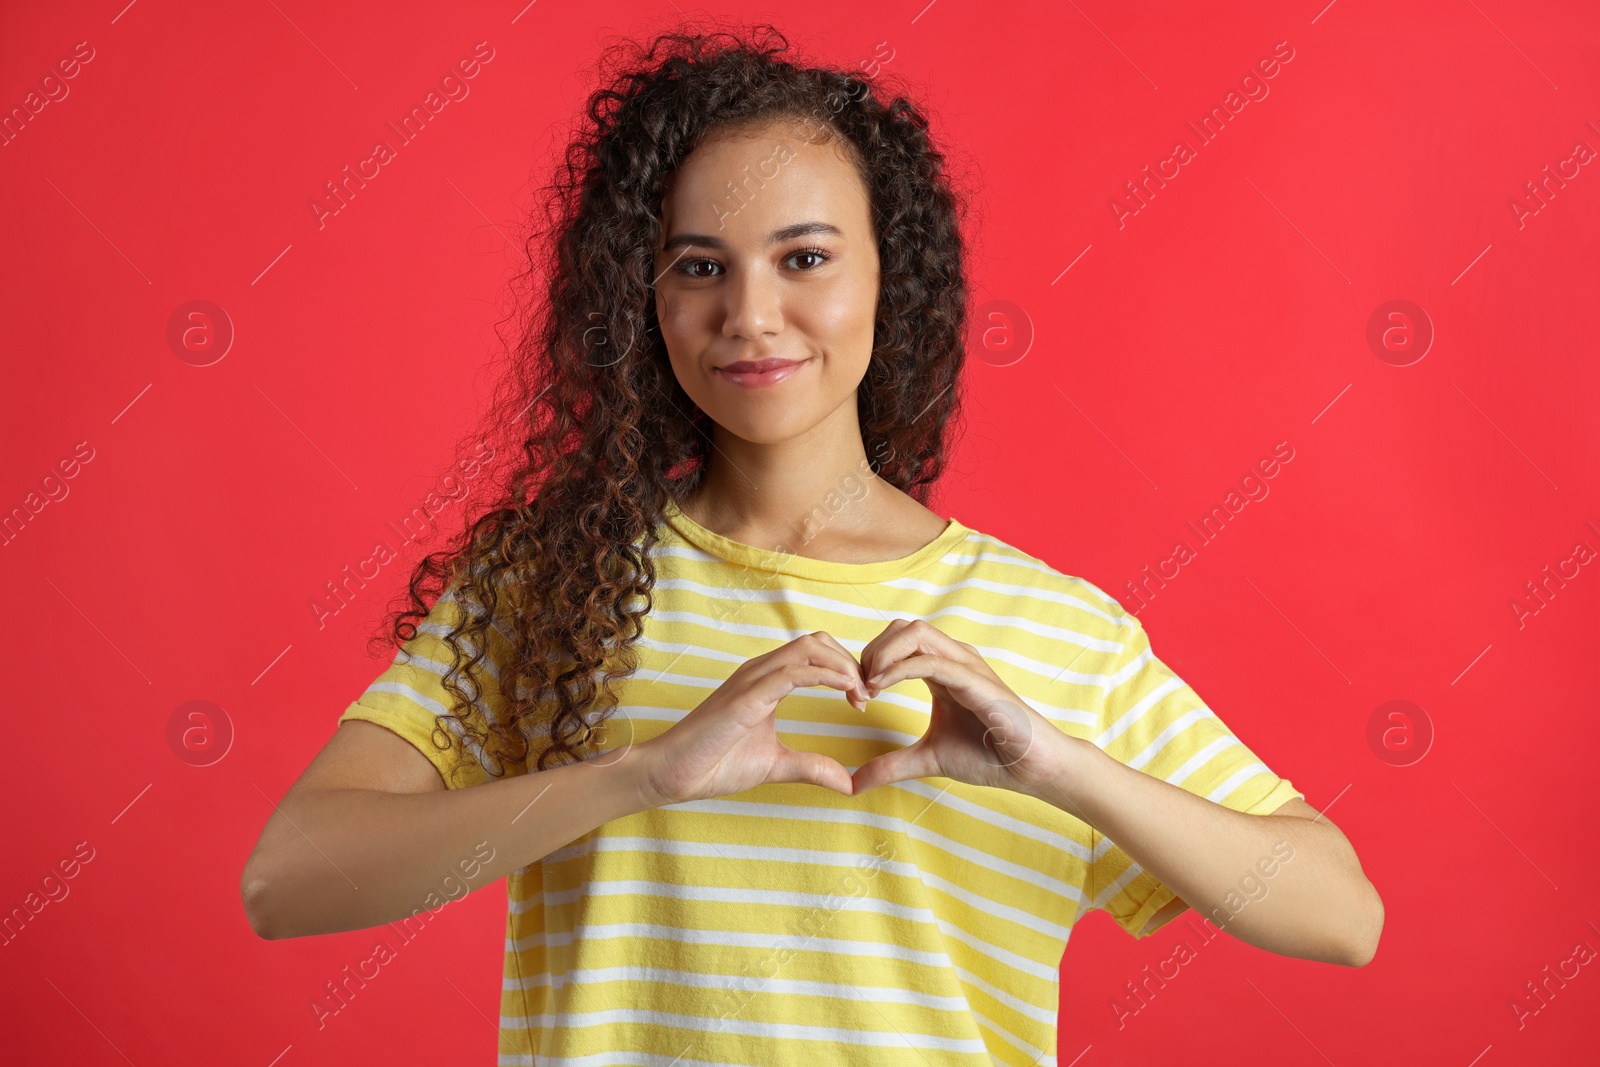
(979,731)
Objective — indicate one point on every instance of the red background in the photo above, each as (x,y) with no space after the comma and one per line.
(1227,315)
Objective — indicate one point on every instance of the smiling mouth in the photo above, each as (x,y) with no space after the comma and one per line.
(755,374)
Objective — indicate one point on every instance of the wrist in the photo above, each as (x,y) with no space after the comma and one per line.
(1073,763)
(640,777)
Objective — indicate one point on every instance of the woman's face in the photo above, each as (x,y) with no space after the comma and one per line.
(768,252)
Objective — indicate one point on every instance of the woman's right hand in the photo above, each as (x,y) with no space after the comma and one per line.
(729,743)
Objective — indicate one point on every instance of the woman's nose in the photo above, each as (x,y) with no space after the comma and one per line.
(754,304)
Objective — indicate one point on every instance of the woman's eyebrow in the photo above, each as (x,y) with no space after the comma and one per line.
(787,233)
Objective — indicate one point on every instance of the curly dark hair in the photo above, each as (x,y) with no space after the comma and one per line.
(599,433)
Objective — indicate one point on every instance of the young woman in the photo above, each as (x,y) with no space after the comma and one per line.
(782,766)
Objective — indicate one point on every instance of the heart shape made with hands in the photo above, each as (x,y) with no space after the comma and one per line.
(979,731)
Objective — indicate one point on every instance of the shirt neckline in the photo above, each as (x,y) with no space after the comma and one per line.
(773,561)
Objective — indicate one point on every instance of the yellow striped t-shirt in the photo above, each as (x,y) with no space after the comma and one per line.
(920,922)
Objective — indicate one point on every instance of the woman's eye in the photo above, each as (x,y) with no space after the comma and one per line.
(817,255)
(688,267)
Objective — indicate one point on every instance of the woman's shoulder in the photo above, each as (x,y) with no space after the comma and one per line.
(1003,560)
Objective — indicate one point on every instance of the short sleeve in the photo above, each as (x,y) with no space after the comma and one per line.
(410,698)
(1152,721)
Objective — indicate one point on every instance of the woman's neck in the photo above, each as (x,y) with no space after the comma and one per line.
(848,515)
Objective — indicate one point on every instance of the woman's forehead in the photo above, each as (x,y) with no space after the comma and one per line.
(746,188)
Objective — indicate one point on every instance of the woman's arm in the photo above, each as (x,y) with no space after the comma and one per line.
(1318,905)
(369,834)
(1288,883)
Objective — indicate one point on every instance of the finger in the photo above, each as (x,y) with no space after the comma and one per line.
(847,661)
(956,677)
(902,764)
(826,639)
(812,768)
(916,636)
(777,683)
(871,655)
(824,650)
(817,647)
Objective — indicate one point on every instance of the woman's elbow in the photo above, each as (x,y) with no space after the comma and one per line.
(255,890)
(1366,930)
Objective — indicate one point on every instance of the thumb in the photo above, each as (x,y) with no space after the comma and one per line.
(812,768)
(912,761)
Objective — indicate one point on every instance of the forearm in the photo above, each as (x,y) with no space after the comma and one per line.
(1316,905)
(347,859)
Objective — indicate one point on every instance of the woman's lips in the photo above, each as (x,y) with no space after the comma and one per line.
(770,372)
